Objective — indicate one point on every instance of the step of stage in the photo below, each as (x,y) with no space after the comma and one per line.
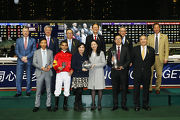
(165,98)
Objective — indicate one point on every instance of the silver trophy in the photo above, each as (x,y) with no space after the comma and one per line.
(63,64)
(87,65)
(115,59)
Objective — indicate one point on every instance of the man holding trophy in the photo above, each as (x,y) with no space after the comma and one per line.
(119,60)
(62,66)
(42,61)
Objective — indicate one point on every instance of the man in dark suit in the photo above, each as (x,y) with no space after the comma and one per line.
(52,44)
(126,42)
(72,43)
(25,47)
(97,37)
(119,59)
(143,58)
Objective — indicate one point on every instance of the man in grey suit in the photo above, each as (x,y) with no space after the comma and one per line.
(43,61)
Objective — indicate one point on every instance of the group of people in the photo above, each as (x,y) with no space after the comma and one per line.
(64,66)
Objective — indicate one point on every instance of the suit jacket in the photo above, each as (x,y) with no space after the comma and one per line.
(54,45)
(20,50)
(100,41)
(76,64)
(124,57)
(140,65)
(37,61)
(128,44)
(75,43)
(163,46)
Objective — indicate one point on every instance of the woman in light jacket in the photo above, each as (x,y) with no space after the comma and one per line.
(96,73)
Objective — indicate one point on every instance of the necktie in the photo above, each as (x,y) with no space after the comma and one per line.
(48,41)
(118,54)
(25,43)
(44,58)
(69,45)
(156,45)
(95,37)
(143,53)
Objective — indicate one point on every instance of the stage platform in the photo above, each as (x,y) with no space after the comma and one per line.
(165,106)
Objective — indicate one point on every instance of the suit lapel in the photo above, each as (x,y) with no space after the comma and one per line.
(160,40)
(22,45)
(147,54)
(47,57)
(92,37)
(72,45)
(51,42)
(139,51)
(121,52)
(40,56)
(153,41)
(29,43)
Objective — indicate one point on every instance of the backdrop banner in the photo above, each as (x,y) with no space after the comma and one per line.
(171,76)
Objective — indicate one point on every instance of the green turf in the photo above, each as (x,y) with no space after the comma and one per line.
(157,113)
(21,108)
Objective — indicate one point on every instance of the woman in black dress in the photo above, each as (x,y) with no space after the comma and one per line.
(80,76)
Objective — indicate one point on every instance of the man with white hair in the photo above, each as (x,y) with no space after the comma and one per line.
(128,44)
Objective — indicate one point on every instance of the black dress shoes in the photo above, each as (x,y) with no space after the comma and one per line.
(150,91)
(157,92)
(125,108)
(114,108)
(49,109)
(93,107)
(35,109)
(137,109)
(17,95)
(55,109)
(128,92)
(147,108)
(99,108)
(28,94)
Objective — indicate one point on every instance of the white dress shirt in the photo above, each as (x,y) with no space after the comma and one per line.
(94,36)
(123,40)
(44,57)
(69,44)
(117,48)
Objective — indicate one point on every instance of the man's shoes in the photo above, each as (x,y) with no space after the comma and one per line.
(147,108)
(125,108)
(137,109)
(150,91)
(55,109)
(128,92)
(99,108)
(35,109)
(157,91)
(28,94)
(114,108)
(49,109)
(65,108)
(17,95)
(93,107)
